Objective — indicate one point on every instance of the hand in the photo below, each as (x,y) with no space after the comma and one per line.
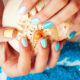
(55,12)
(19,64)
(6,34)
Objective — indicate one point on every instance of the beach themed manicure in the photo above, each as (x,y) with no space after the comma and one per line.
(47,25)
(22,10)
(35,21)
(57,47)
(44,43)
(72,34)
(24,42)
(8,33)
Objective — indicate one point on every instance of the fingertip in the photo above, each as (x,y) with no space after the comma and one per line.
(56,46)
(24,42)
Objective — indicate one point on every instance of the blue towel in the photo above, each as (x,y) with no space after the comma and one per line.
(67,68)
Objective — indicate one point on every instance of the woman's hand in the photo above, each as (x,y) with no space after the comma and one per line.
(55,12)
(22,63)
(6,34)
(13,63)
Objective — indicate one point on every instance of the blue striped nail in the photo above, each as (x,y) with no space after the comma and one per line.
(44,43)
(47,25)
(35,21)
(24,42)
(57,47)
(22,10)
(72,34)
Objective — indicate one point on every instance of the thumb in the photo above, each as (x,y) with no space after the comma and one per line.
(7,34)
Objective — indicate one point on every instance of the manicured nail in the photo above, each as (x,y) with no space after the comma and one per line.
(24,42)
(47,25)
(22,10)
(44,43)
(35,21)
(57,47)
(72,34)
(8,33)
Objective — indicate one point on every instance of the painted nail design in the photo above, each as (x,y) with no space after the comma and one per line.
(57,47)
(47,25)
(72,34)
(22,10)
(44,43)
(24,42)
(8,33)
(35,21)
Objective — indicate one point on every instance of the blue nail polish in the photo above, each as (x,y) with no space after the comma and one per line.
(72,34)
(22,10)
(47,25)
(44,43)
(57,47)
(24,42)
(35,21)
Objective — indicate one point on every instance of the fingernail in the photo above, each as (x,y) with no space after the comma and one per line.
(8,33)
(22,10)
(44,43)
(24,42)
(47,25)
(57,47)
(35,21)
(72,34)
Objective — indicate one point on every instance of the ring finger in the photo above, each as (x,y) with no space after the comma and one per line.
(50,9)
(63,15)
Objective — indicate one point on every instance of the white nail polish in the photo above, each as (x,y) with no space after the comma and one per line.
(22,10)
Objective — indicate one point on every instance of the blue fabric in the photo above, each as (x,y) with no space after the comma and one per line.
(68,66)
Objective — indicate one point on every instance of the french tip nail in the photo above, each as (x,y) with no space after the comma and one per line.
(71,36)
(47,25)
(35,21)
(44,43)
(22,10)
(24,42)
(57,47)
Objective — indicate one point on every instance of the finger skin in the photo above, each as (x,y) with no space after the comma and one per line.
(75,29)
(51,9)
(41,58)
(54,54)
(7,34)
(17,66)
(24,62)
(66,13)
(28,4)
(77,19)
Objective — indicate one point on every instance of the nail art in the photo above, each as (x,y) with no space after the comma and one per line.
(22,10)
(44,43)
(57,47)
(35,21)
(47,25)
(8,33)
(72,34)
(24,42)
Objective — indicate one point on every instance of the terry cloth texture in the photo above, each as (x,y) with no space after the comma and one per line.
(67,68)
